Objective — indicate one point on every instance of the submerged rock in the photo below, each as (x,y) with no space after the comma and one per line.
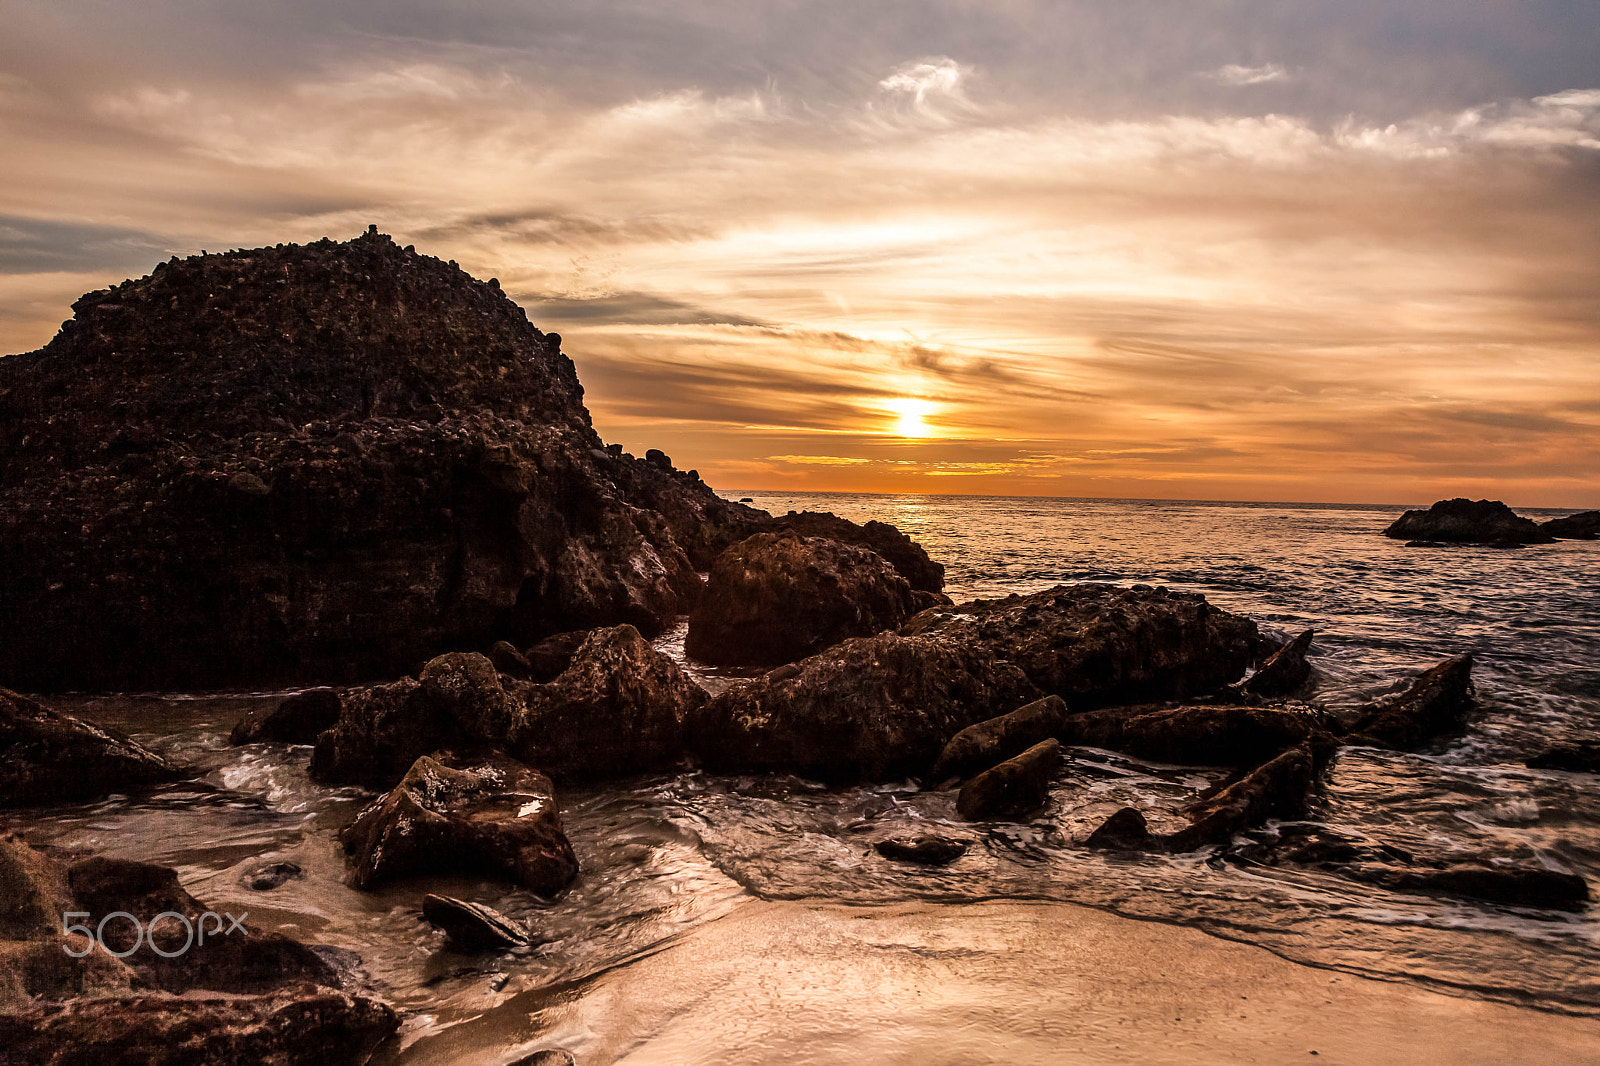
(989,743)
(1284,671)
(1016,787)
(1521,886)
(1436,702)
(1583,758)
(1099,645)
(927,849)
(299,719)
(1203,735)
(271,875)
(867,709)
(493,816)
(472,926)
(779,597)
(1125,830)
(1582,526)
(1462,521)
(47,757)
(1279,788)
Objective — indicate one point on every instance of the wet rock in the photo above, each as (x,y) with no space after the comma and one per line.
(1435,703)
(382,730)
(1582,526)
(549,659)
(271,875)
(508,660)
(299,719)
(1284,672)
(926,849)
(547,1057)
(472,926)
(867,709)
(1125,830)
(1581,758)
(37,959)
(1202,735)
(492,816)
(779,597)
(1519,886)
(1279,788)
(1098,645)
(46,757)
(1462,521)
(987,744)
(1016,787)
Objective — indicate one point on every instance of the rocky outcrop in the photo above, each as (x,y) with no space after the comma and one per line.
(299,719)
(472,926)
(986,744)
(1016,787)
(1100,646)
(46,757)
(870,708)
(1203,735)
(1283,673)
(1462,521)
(491,816)
(1436,702)
(779,597)
(1582,526)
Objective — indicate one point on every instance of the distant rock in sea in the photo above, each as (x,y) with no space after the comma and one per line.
(1582,526)
(1462,521)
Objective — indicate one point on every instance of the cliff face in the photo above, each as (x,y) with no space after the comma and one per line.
(322,462)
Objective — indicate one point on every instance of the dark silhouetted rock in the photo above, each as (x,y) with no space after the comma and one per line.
(1016,787)
(1582,526)
(1435,703)
(1124,831)
(495,816)
(382,730)
(46,757)
(1098,645)
(508,660)
(547,1057)
(869,708)
(779,597)
(271,875)
(472,926)
(1461,521)
(1203,735)
(904,554)
(1284,672)
(1576,758)
(1518,886)
(299,719)
(927,849)
(990,743)
(1279,788)
(549,659)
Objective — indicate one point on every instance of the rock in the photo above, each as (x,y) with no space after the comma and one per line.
(1520,886)
(926,849)
(1279,788)
(495,816)
(33,892)
(271,875)
(904,554)
(299,719)
(871,708)
(1582,526)
(46,757)
(549,659)
(382,731)
(1461,521)
(658,458)
(990,743)
(1203,735)
(1016,787)
(779,597)
(1581,758)
(1124,831)
(1284,672)
(1435,703)
(1099,646)
(547,1057)
(472,926)
(508,660)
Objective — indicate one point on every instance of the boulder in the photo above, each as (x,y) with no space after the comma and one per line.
(1101,646)
(382,730)
(927,849)
(299,719)
(1016,787)
(1436,702)
(472,926)
(989,743)
(1283,673)
(491,816)
(1125,830)
(904,554)
(549,659)
(779,597)
(1462,521)
(1582,758)
(46,757)
(871,708)
(1279,788)
(1582,526)
(1202,735)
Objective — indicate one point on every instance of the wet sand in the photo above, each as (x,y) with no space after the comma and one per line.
(1005,983)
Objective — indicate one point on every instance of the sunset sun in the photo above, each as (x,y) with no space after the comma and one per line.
(911,414)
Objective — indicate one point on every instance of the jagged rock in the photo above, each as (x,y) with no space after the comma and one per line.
(299,719)
(494,816)
(472,926)
(549,659)
(1125,830)
(1462,521)
(1279,788)
(1521,886)
(779,597)
(47,757)
(1582,526)
(869,708)
(1581,758)
(927,849)
(904,554)
(1435,703)
(987,744)
(1017,786)
(1203,735)
(271,875)
(1284,671)
(1098,645)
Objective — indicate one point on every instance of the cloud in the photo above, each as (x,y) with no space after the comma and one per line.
(39,245)
(927,78)
(1234,74)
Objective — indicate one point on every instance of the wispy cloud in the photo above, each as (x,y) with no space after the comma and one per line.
(1235,74)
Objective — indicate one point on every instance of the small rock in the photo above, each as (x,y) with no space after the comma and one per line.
(271,875)
(1017,786)
(1124,831)
(508,660)
(1284,671)
(990,743)
(1583,758)
(926,849)
(248,484)
(1524,886)
(547,1057)
(549,659)
(472,926)
(1278,788)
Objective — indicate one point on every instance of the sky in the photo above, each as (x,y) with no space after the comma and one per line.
(1181,249)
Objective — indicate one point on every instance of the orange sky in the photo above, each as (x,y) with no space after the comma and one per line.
(1025,249)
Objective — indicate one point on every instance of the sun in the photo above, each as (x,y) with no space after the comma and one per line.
(911,412)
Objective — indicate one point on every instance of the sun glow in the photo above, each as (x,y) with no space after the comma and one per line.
(911,412)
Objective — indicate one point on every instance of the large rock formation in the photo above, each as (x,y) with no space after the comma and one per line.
(47,757)
(778,597)
(1462,521)
(325,463)
(1582,526)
